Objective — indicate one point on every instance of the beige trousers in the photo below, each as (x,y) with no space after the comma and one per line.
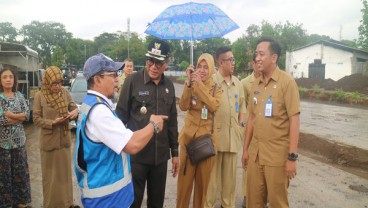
(266,182)
(223,180)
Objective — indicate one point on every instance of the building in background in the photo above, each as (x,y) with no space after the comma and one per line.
(326,60)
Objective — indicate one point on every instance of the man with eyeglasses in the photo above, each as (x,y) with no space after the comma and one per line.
(230,126)
(144,93)
(103,144)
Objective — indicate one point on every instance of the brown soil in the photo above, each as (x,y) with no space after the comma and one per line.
(352,83)
(348,158)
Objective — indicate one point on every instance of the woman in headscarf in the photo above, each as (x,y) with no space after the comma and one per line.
(200,99)
(15,188)
(52,109)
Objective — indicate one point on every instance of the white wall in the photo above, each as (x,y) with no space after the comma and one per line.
(338,62)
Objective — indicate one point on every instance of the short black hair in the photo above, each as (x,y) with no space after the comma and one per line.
(275,46)
(221,50)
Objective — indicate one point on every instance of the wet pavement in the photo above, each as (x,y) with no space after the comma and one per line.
(337,123)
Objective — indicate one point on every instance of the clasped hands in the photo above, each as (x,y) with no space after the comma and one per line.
(193,76)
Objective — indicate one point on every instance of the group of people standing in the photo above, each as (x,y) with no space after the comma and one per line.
(122,152)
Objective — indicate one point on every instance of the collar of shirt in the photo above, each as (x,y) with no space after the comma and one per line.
(275,76)
(148,79)
(102,96)
(220,79)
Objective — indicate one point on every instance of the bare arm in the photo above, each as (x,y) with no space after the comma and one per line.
(15,116)
(248,139)
(294,133)
(291,167)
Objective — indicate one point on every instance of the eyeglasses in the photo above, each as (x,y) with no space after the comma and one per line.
(158,64)
(55,84)
(232,60)
(110,74)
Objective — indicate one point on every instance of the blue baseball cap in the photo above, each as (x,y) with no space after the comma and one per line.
(100,62)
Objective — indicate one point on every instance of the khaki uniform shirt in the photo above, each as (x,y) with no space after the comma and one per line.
(230,134)
(121,80)
(270,141)
(194,125)
(247,84)
(52,137)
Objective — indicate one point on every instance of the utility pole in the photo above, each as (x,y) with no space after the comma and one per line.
(128,34)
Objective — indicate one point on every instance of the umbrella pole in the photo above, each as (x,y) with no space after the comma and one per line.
(191,52)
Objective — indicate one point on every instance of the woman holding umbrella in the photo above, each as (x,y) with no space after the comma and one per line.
(201,98)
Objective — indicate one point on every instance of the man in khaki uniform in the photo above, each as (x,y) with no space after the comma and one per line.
(247,83)
(272,131)
(128,70)
(230,116)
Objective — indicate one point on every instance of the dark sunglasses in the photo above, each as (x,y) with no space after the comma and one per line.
(158,64)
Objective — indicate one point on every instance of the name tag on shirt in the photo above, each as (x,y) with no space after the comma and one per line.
(268,109)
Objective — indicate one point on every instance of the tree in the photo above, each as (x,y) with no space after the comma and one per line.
(363,28)
(243,54)
(8,33)
(44,37)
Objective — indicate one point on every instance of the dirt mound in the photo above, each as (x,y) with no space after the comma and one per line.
(349,158)
(352,83)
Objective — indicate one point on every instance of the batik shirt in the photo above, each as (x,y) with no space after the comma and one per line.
(12,136)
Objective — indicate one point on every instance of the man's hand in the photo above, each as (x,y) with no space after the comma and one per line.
(159,120)
(245,158)
(175,166)
(290,169)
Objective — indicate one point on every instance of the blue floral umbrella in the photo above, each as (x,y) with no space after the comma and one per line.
(191,21)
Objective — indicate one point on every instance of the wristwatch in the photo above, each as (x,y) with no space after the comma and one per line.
(292,156)
(155,127)
(243,123)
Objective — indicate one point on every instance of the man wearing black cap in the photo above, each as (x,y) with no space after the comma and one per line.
(145,93)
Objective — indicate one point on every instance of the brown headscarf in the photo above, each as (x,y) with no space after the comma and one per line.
(211,67)
(55,99)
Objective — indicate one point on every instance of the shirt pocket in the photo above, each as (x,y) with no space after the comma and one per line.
(165,103)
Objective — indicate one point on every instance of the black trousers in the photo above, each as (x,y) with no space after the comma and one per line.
(155,176)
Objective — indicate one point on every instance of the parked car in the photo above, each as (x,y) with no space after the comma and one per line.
(78,91)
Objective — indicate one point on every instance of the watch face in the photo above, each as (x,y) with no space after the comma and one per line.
(293,156)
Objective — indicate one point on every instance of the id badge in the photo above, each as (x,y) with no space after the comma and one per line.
(204,113)
(268,109)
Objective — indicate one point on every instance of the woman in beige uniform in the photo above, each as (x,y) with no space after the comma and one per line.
(53,107)
(197,98)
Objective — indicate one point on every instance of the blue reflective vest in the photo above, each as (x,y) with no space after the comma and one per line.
(104,177)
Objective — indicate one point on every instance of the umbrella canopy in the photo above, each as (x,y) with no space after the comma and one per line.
(191,21)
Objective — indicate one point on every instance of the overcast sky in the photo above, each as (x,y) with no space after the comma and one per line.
(87,19)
